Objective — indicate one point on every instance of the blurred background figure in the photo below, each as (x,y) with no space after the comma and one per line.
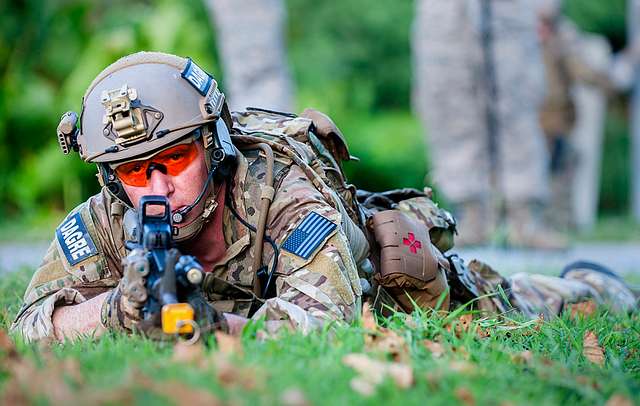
(576,78)
(252,47)
(578,72)
(478,87)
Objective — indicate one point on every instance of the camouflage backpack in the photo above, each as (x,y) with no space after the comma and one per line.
(326,147)
(318,146)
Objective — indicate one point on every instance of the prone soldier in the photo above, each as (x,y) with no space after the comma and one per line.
(260,199)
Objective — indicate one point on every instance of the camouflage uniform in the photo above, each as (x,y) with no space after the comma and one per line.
(533,295)
(310,291)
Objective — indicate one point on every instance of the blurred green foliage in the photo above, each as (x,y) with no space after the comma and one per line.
(350,59)
(615,188)
(607,18)
(50,50)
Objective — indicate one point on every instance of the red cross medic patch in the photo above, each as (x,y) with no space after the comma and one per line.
(413,244)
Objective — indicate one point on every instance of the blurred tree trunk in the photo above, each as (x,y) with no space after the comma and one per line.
(634,35)
(251,43)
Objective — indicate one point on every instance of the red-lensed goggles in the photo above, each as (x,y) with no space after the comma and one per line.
(175,160)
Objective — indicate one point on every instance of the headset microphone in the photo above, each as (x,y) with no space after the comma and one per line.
(180,215)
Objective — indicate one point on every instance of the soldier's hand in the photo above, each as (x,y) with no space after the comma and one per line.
(208,318)
(122,309)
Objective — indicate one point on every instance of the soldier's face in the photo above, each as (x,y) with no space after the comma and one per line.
(181,189)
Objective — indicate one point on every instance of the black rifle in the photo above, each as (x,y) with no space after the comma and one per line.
(172,277)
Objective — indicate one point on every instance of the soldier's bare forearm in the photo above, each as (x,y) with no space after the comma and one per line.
(235,323)
(82,319)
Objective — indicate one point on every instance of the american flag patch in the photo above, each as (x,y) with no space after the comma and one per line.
(309,234)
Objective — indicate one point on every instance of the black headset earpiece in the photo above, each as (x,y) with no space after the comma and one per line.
(223,156)
(109,179)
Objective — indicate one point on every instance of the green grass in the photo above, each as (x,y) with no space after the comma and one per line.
(612,228)
(120,369)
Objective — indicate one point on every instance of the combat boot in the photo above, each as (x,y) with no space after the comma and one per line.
(526,228)
(611,288)
(473,223)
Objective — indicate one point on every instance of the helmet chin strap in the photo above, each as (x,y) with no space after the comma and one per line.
(190,230)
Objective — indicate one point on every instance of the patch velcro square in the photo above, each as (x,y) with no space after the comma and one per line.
(309,234)
(75,241)
(197,77)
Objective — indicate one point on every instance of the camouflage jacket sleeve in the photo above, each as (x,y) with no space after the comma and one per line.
(317,277)
(79,264)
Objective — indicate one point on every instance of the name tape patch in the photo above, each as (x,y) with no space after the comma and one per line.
(75,240)
(309,234)
(197,77)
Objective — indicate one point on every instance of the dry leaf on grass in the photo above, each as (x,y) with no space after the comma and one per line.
(181,394)
(374,372)
(483,332)
(186,353)
(228,344)
(463,367)
(465,321)
(410,322)
(588,381)
(436,349)
(461,351)
(230,374)
(371,370)
(389,342)
(362,386)
(57,381)
(294,397)
(382,339)
(7,346)
(48,380)
(523,357)
(462,324)
(465,396)
(583,309)
(433,379)
(402,374)
(368,319)
(591,349)
(618,400)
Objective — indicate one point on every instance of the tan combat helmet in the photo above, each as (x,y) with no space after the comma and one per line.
(143,103)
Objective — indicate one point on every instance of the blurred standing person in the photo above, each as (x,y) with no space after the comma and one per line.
(478,87)
(570,59)
(252,48)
